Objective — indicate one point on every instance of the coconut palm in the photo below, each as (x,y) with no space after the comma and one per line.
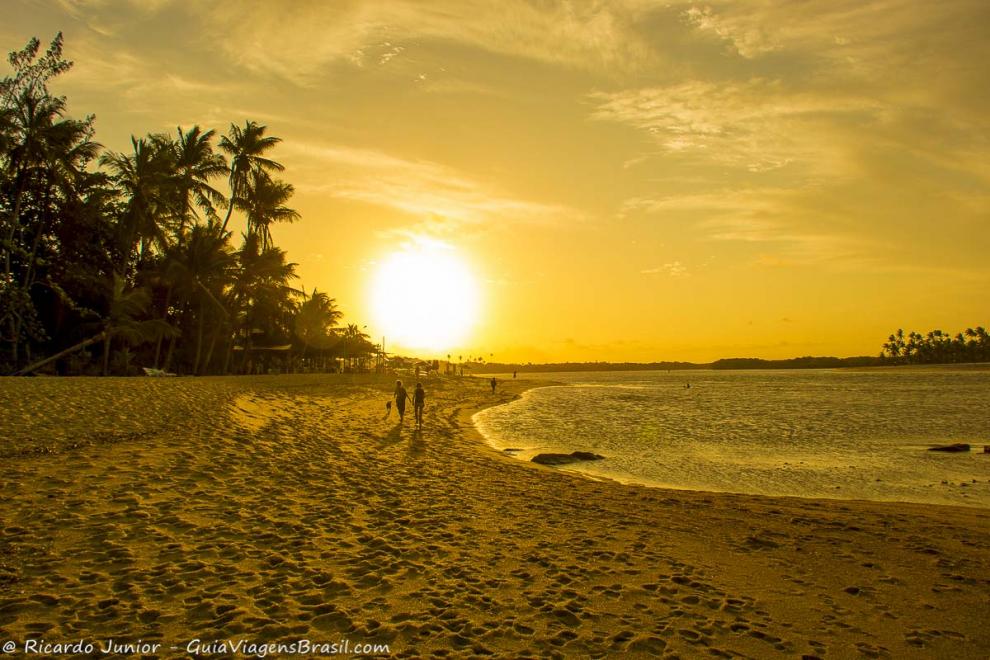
(145,177)
(196,164)
(262,300)
(355,343)
(246,148)
(315,320)
(263,202)
(199,271)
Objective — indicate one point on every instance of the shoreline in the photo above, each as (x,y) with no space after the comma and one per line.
(960,366)
(595,478)
(524,456)
(284,507)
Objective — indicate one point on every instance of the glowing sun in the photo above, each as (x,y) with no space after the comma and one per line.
(424,297)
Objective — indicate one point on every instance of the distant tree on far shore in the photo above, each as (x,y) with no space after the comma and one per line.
(937,347)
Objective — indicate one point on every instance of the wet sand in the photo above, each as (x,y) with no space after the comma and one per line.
(286,508)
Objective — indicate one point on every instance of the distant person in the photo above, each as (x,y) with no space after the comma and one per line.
(400,399)
(493,384)
(417,371)
(513,375)
(419,401)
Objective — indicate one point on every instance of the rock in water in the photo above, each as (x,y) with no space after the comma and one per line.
(564,459)
(586,456)
(959,446)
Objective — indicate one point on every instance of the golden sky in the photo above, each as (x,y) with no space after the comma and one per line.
(627,180)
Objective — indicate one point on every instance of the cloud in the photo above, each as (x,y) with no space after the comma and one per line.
(857,37)
(137,81)
(299,41)
(819,85)
(674,269)
(748,40)
(107,17)
(757,125)
(443,199)
(783,223)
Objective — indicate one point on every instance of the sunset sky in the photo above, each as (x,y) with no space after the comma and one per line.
(626,180)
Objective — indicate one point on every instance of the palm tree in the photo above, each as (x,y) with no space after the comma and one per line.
(355,342)
(200,270)
(196,165)
(145,177)
(263,201)
(895,346)
(262,300)
(246,148)
(315,320)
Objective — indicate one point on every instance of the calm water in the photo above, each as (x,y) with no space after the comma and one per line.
(838,434)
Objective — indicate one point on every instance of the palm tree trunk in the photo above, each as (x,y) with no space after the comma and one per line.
(229,353)
(230,208)
(213,343)
(168,353)
(158,344)
(106,354)
(199,337)
(14,342)
(72,349)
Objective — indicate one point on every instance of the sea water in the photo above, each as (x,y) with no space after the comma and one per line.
(812,433)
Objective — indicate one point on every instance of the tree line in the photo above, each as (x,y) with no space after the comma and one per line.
(112,260)
(937,347)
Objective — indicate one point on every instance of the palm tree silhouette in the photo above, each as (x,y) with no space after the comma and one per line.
(143,176)
(315,320)
(199,270)
(246,147)
(263,201)
(196,164)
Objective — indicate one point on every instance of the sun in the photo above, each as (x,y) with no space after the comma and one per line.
(424,297)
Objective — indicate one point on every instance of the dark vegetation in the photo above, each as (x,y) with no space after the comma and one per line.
(936,347)
(113,260)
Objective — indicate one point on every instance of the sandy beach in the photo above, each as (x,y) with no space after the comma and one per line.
(289,508)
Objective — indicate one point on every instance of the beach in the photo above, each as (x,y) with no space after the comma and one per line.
(180,511)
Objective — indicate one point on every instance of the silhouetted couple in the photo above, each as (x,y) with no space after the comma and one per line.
(419,401)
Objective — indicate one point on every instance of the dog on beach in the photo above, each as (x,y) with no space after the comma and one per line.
(388,408)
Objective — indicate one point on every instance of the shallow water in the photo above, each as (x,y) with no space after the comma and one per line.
(823,433)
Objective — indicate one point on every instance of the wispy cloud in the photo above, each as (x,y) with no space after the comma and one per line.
(777,222)
(297,42)
(860,37)
(758,125)
(107,17)
(443,199)
(674,269)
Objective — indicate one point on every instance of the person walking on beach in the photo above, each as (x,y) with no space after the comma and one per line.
(419,401)
(494,383)
(400,399)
